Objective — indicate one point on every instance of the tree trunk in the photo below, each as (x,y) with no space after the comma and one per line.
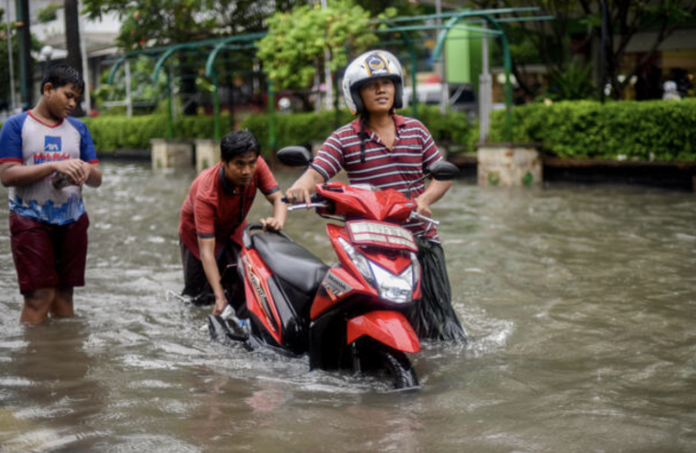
(27,63)
(72,39)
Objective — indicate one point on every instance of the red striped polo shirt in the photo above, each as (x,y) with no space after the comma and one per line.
(414,149)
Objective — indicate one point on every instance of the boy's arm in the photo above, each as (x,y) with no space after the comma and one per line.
(207,250)
(280,213)
(94,174)
(17,174)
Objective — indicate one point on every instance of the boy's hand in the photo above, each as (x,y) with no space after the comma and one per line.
(75,169)
(272,224)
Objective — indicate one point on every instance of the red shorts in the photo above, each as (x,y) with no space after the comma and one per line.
(48,256)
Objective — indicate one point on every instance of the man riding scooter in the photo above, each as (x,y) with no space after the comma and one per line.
(390,151)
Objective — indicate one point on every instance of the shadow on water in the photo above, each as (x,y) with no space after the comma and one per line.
(580,301)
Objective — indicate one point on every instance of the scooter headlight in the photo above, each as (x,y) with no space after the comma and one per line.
(361,263)
(392,287)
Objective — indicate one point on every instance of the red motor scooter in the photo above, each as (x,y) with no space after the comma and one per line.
(347,316)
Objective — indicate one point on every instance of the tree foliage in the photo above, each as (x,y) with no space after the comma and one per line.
(143,91)
(152,23)
(293,50)
(158,23)
(576,29)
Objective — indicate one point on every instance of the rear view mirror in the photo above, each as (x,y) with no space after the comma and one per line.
(294,156)
(443,171)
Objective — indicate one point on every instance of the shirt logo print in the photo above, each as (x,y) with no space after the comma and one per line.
(52,144)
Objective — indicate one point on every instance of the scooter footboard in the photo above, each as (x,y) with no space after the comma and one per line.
(388,327)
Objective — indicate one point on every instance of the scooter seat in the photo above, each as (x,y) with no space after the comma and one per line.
(290,261)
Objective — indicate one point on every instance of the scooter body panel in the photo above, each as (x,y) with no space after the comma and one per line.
(355,202)
(388,327)
(258,294)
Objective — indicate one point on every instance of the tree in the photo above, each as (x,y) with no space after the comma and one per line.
(5,96)
(156,23)
(625,19)
(576,29)
(293,50)
(144,93)
(72,41)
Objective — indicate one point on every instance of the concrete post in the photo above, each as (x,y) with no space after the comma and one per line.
(509,164)
(207,153)
(171,153)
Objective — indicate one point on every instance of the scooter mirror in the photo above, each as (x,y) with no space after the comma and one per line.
(294,156)
(443,171)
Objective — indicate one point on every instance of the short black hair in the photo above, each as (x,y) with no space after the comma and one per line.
(61,75)
(237,143)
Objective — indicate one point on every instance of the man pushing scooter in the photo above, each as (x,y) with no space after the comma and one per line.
(390,151)
(213,218)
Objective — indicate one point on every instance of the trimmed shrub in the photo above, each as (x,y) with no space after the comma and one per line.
(120,132)
(305,128)
(646,130)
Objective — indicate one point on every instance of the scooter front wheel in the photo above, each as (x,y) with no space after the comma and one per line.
(398,368)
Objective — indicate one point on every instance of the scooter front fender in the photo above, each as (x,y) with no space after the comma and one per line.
(387,327)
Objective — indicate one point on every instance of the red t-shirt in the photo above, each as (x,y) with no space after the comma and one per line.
(216,209)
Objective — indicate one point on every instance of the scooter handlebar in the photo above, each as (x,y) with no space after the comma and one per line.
(295,207)
(415,215)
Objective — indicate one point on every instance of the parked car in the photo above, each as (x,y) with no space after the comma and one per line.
(462,97)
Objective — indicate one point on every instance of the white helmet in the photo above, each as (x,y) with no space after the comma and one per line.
(375,64)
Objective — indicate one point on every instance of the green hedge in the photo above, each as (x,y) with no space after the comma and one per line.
(295,128)
(646,130)
(304,128)
(112,133)
(119,132)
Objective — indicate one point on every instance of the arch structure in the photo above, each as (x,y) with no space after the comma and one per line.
(209,50)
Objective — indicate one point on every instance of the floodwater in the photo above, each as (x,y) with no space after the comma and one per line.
(580,301)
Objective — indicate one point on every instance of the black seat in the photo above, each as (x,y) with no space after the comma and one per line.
(290,261)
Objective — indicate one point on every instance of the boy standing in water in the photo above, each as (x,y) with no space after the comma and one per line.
(390,151)
(213,218)
(46,156)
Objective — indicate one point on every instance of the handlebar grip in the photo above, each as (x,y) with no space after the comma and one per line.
(295,207)
(414,214)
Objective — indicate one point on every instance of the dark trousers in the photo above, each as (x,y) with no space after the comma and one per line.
(433,317)
(196,285)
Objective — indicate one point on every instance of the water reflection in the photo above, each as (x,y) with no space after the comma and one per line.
(580,301)
(53,390)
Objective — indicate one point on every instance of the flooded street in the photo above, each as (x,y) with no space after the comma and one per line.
(580,301)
